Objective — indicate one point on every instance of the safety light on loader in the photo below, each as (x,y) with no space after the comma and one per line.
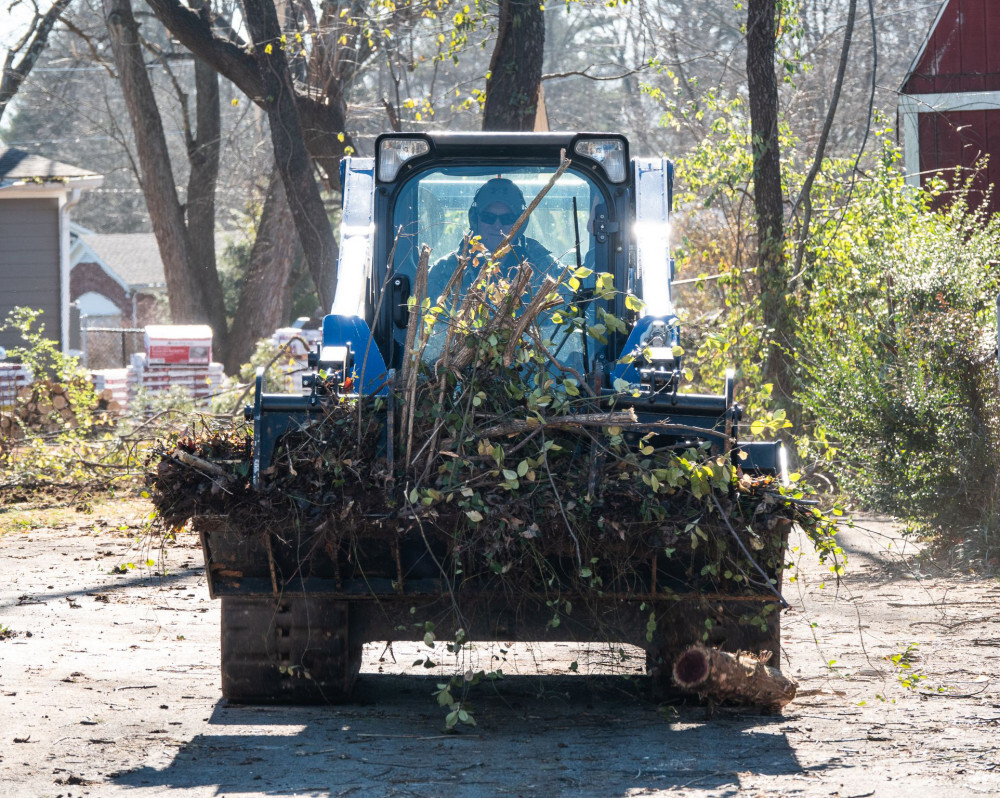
(395,152)
(609,153)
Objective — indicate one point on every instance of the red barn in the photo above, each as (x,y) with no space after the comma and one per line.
(949,106)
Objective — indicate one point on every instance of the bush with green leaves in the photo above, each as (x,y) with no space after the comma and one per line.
(893,292)
(899,352)
(90,448)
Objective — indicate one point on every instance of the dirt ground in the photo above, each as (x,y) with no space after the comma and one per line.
(110,685)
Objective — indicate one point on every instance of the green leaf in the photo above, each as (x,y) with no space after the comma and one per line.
(474,515)
(522,468)
(509,475)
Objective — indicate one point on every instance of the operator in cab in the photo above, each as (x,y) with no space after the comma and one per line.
(497,205)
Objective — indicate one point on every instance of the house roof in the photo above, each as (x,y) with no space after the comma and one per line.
(20,166)
(135,257)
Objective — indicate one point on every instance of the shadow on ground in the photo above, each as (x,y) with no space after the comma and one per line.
(552,735)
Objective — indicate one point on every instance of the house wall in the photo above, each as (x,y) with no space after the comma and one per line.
(86,277)
(30,262)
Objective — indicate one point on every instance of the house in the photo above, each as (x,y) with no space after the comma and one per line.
(949,105)
(117,279)
(37,196)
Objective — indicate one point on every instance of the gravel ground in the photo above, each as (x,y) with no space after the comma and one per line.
(110,685)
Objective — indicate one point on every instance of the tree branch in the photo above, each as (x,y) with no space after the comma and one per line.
(584,73)
(228,55)
(14,76)
(805,195)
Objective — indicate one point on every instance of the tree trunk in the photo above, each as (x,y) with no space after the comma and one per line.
(203,154)
(311,222)
(768,206)
(261,308)
(157,179)
(516,67)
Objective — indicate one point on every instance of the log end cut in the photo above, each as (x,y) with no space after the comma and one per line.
(736,678)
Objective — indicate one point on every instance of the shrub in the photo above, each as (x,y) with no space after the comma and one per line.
(898,354)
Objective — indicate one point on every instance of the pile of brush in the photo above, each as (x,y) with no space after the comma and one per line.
(495,453)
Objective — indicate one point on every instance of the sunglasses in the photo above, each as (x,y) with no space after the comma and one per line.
(485,217)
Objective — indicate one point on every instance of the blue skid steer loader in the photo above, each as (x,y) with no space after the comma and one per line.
(431,189)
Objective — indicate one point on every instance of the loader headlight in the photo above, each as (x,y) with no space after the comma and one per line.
(609,153)
(393,153)
(783,466)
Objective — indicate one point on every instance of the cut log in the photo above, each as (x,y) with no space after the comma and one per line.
(740,678)
(59,401)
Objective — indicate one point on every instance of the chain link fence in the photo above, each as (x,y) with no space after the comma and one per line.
(110,347)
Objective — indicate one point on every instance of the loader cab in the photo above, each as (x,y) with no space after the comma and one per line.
(438,188)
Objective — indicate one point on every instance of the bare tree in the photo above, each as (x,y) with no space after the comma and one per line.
(193,285)
(29,47)
(261,307)
(290,155)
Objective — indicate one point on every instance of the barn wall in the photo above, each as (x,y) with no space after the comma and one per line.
(963,52)
(961,138)
(29,263)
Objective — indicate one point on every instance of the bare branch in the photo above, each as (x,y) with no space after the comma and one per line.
(14,76)
(585,73)
(97,57)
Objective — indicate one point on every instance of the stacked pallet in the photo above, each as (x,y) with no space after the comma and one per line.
(292,339)
(176,356)
(111,385)
(297,344)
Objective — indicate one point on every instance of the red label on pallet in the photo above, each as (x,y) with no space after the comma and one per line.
(179,354)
